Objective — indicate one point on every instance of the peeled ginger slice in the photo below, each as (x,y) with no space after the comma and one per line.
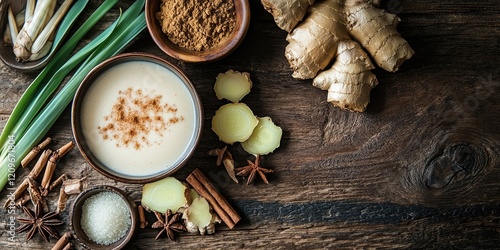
(168,193)
(232,85)
(265,138)
(234,122)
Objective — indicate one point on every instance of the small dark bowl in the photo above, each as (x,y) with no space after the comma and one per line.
(76,213)
(78,131)
(7,53)
(235,39)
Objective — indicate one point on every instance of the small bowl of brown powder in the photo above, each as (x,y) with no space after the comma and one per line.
(198,30)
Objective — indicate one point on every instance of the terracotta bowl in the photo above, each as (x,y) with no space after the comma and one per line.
(87,148)
(6,53)
(235,39)
(76,213)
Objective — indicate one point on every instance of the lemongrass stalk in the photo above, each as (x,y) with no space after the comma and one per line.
(18,119)
(127,30)
(49,29)
(43,11)
(30,9)
(12,25)
(42,52)
(37,101)
(19,24)
(44,94)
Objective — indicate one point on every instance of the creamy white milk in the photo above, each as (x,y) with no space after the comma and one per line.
(138,118)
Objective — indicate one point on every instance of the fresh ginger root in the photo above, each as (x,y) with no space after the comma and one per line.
(340,29)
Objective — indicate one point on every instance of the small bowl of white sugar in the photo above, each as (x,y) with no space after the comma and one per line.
(104,217)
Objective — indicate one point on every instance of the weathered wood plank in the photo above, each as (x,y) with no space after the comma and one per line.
(418,169)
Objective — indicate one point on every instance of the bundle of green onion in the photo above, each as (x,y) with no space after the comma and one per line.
(34,114)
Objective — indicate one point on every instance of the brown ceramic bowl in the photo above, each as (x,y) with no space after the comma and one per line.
(92,143)
(236,38)
(6,52)
(76,213)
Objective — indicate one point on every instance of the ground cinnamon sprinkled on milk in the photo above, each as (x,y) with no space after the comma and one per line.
(197,24)
(134,115)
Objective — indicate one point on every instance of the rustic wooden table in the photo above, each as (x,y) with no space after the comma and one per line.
(419,169)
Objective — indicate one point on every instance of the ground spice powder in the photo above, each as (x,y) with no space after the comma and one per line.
(197,24)
(135,115)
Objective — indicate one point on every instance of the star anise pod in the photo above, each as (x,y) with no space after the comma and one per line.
(252,169)
(38,223)
(169,225)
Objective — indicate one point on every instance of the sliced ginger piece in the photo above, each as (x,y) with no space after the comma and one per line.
(168,193)
(265,138)
(234,122)
(199,217)
(232,85)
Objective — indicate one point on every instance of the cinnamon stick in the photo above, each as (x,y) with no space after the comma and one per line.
(62,242)
(49,171)
(37,169)
(205,188)
(65,149)
(142,217)
(58,181)
(34,151)
(51,164)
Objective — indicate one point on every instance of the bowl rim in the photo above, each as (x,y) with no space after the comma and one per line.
(76,116)
(242,10)
(76,207)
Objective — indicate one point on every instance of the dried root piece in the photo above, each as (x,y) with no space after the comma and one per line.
(61,201)
(165,194)
(68,187)
(327,33)
(232,85)
(198,217)
(265,138)
(234,122)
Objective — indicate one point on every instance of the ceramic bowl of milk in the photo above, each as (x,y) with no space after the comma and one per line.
(136,118)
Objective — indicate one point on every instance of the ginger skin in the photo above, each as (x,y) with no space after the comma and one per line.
(322,31)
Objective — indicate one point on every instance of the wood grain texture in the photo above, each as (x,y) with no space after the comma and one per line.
(419,169)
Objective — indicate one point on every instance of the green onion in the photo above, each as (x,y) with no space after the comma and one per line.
(127,27)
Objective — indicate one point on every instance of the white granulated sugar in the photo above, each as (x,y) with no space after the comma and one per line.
(105,218)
